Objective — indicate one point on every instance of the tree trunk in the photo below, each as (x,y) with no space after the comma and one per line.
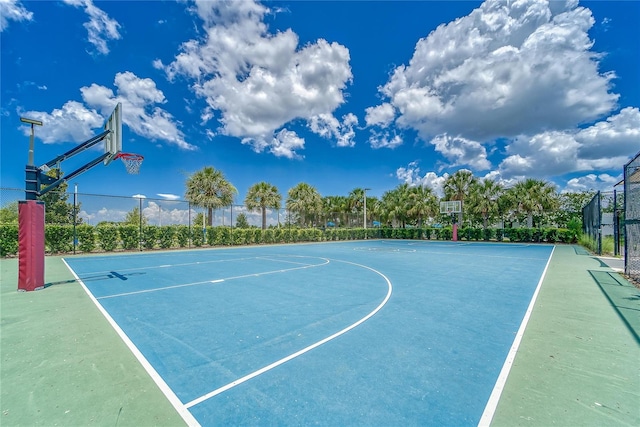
(264,218)
(210,216)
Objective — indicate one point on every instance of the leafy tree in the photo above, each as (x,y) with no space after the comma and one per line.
(241,221)
(198,220)
(208,188)
(483,200)
(571,204)
(395,205)
(457,187)
(335,209)
(57,209)
(133,217)
(304,202)
(422,203)
(534,197)
(9,213)
(262,196)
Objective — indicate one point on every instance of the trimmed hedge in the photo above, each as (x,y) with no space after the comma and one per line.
(108,237)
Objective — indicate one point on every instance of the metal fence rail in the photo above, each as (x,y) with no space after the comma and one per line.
(94,209)
(632,217)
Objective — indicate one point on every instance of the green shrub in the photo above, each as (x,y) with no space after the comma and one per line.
(198,236)
(551,235)
(8,239)
(223,237)
(130,236)
(150,236)
(166,235)
(58,238)
(268,235)
(107,237)
(182,235)
(567,236)
(86,238)
(499,234)
(488,234)
(446,233)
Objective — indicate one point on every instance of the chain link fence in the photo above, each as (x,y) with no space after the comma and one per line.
(632,217)
(599,219)
(88,222)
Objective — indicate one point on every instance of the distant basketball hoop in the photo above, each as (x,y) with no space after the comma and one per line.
(131,161)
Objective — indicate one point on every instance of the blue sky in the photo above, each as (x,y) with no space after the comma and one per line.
(335,94)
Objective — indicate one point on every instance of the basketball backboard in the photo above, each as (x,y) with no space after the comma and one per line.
(450,207)
(113,141)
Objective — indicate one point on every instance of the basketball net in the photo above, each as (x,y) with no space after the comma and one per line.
(131,161)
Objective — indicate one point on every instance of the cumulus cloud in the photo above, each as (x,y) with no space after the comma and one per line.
(461,151)
(77,122)
(256,82)
(72,122)
(381,115)
(327,126)
(100,27)
(139,97)
(385,139)
(605,145)
(412,176)
(592,182)
(13,10)
(507,69)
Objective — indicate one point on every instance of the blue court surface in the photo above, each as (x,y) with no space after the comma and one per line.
(378,332)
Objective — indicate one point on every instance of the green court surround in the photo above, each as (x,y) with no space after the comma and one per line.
(63,364)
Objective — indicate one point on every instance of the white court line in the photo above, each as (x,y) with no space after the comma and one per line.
(153,267)
(171,396)
(492,404)
(304,350)
(215,281)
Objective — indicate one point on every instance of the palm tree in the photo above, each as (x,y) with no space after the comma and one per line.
(394,204)
(208,188)
(483,199)
(422,203)
(457,186)
(304,201)
(533,196)
(262,196)
(334,209)
(355,202)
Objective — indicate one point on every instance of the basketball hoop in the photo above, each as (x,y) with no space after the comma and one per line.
(131,161)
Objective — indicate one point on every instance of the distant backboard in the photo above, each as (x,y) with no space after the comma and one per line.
(113,141)
(450,207)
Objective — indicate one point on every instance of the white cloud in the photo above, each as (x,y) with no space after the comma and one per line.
(327,126)
(256,81)
(602,182)
(605,145)
(411,175)
(462,151)
(505,70)
(618,135)
(73,122)
(100,27)
(13,10)
(384,140)
(169,196)
(381,115)
(139,97)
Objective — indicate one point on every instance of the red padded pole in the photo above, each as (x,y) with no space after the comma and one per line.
(30,245)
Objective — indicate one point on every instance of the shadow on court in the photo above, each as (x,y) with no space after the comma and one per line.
(107,276)
(622,296)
